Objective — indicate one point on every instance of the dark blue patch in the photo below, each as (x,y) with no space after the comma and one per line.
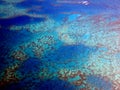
(1,2)
(71,51)
(8,40)
(31,3)
(19,20)
(56,85)
(30,67)
(36,84)
(99,82)
(11,38)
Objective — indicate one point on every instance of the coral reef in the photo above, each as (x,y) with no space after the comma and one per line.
(12,1)
(19,55)
(81,50)
(75,77)
(47,25)
(116,85)
(45,74)
(9,76)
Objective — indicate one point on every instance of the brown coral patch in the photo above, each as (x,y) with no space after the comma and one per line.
(19,55)
(9,76)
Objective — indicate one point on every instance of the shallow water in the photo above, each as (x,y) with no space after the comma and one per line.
(59,45)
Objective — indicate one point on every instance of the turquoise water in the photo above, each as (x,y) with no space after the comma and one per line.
(59,45)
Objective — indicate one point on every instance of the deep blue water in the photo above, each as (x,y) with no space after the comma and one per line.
(48,57)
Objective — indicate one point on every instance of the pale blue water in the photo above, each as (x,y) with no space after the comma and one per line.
(59,45)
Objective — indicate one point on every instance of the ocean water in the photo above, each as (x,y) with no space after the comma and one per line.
(59,45)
